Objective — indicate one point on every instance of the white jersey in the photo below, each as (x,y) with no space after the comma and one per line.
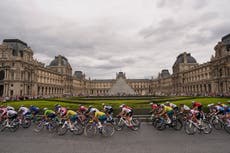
(24,110)
(185,107)
(11,113)
(107,107)
(172,105)
(126,110)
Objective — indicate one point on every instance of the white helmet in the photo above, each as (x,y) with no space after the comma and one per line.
(122,105)
(210,105)
(9,108)
(93,110)
(167,102)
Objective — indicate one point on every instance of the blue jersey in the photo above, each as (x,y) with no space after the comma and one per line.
(219,108)
(34,109)
(227,110)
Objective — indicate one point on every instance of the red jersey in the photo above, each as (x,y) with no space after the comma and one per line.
(197,104)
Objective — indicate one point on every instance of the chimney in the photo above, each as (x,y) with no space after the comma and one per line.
(185,57)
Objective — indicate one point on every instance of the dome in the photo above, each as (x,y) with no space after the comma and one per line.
(164,73)
(59,61)
(185,58)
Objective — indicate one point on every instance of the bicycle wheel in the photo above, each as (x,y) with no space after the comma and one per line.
(206,127)
(62,129)
(39,126)
(78,129)
(136,124)
(160,125)
(108,129)
(90,130)
(177,125)
(119,124)
(14,125)
(227,128)
(2,125)
(52,126)
(26,122)
(190,128)
(216,124)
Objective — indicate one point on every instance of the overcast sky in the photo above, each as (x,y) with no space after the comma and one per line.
(102,37)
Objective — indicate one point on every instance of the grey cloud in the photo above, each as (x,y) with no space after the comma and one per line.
(198,4)
(117,40)
(169,3)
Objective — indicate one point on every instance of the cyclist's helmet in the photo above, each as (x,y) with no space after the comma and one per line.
(210,105)
(57,106)
(219,103)
(93,110)
(10,108)
(167,103)
(103,104)
(45,109)
(122,105)
(151,103)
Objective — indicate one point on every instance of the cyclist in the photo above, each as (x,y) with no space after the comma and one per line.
(219,109)
(49,114)
(197,105)
(173,106)
(108,111)
(34,110)
(11,114)
(166,112)
(127,113)
(154,107)
(82,112)
(98,116)
(227,115)
(23,111)
(184,108)
(71,116)
(3,112)
(59,110)
(195,116)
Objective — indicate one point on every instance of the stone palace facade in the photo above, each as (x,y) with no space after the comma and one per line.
(23,76)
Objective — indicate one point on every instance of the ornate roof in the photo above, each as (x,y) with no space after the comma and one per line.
(59,61)
(185,58)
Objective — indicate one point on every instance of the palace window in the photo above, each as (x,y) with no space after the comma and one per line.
(14,52)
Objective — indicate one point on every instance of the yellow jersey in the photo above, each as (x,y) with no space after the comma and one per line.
(70,113)
(167,108)
(98,114)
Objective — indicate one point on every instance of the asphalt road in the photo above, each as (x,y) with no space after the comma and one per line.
(146,140)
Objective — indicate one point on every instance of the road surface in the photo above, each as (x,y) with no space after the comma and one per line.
(146,140)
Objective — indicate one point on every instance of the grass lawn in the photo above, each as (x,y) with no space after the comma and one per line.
(135,103)
(141,106)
